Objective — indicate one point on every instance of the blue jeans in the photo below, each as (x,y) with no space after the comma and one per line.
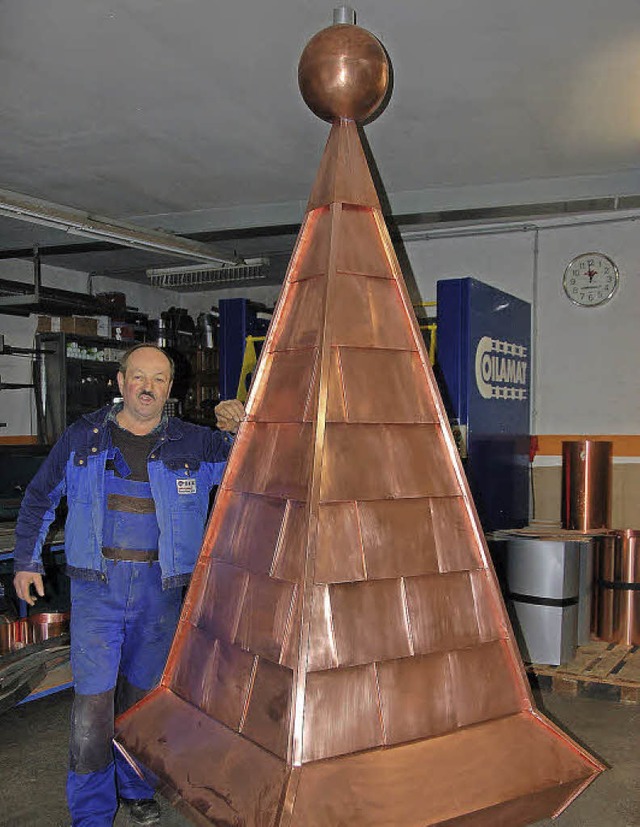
(121,632)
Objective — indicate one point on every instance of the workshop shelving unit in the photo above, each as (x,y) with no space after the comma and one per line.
(78,376)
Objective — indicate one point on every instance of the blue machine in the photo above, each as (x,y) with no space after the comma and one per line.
(484,348)
(238,319)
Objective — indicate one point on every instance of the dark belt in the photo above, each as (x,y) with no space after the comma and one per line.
(130,554)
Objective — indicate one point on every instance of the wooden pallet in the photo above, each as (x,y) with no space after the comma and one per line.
(599,670)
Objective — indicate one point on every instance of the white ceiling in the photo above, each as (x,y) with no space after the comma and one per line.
(185,114)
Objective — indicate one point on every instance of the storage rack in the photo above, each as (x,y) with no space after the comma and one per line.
(78,376)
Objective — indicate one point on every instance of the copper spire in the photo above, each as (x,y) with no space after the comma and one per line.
(344,655)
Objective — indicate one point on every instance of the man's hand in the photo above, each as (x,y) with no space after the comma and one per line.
(22,583)
(229,415)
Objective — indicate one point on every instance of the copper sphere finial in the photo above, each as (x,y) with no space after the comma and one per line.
(343,73)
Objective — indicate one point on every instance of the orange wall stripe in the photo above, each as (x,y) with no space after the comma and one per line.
(624,445)
(18,440)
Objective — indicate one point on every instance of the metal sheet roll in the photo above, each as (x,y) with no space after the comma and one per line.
(586,484)
(46,625)
(607,600)
(618,613)
(627,627)
(14,635)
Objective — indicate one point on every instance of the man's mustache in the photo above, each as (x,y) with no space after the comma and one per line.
(150,394)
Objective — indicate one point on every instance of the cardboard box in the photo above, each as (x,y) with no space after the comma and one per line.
(54,324)
(80,325)
(84,326)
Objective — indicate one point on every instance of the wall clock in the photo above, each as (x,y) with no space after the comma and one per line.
(590,279)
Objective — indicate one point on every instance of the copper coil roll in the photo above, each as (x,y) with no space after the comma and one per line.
(586,484)
(36,628)
(14,635)
(46,625)
(606,602)
(618,588)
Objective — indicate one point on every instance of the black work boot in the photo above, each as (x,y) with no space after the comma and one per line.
(142,810)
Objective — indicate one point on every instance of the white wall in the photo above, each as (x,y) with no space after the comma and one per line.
(504,261)
(200,302)
(16,406)
(586,378)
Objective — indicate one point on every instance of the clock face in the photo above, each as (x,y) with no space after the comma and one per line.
(590,279)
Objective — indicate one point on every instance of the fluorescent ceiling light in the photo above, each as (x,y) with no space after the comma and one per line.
(75,222)
(206,277)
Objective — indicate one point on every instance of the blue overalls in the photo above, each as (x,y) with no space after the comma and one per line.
(121,631)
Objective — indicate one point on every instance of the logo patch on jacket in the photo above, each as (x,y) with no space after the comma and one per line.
(186,486)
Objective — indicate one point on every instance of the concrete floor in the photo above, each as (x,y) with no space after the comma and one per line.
(33,749)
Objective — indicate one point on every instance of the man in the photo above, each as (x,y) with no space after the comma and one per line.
(137,485)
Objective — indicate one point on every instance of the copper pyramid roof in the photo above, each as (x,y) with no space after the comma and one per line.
(344,655)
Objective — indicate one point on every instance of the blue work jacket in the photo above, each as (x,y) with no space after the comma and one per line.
(186,462)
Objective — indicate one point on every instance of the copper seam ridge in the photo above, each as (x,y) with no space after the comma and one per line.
(288,798)
(372,422)
(468,647)
(307,413)
(549,725)
(240,604)
(346,347)
(247,699)
(300,678)
(383,728)
(360,540)
(575,795)
(306,278)
(280,541)
(284,498)
(288,626)
(384,747)
(477,595)
(407,616)
(361,274)
(391,578)
(343,395)
(380,747)
(433,738)
(332,631)
(315,480)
